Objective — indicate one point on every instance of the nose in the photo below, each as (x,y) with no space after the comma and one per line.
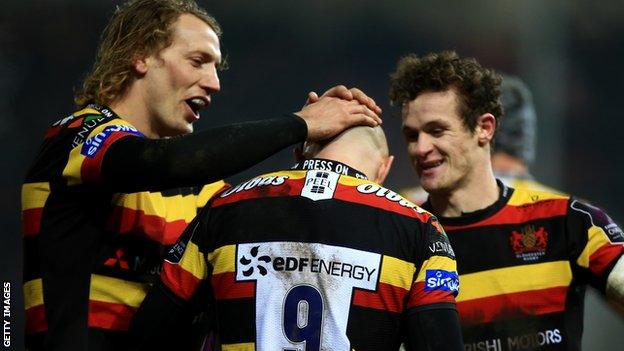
(421,147)
(210,81)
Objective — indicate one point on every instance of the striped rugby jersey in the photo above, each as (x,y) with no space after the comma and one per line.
(313,256)
(85,243)
(524,263)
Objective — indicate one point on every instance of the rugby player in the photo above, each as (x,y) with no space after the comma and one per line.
(526,255)
(318,257)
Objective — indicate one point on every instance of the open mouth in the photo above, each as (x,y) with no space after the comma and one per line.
(196,104)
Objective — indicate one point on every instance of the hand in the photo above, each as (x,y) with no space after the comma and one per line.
(341,92)
(329,116)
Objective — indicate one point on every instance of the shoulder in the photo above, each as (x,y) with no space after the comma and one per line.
(369,193)
(532,185)
(527,197)
(279,183)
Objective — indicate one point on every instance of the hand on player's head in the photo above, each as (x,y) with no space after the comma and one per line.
(342,92)
(329,116)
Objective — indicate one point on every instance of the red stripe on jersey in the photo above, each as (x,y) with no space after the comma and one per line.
(36,320)
(52,131)
(519,214)
(290,187)
(604,257)
(91,166)
(31,221)
(387,297)
(226,287)
(125,220)
(351,194)
(419,297)
(112,316)
(177,279)
(507,306)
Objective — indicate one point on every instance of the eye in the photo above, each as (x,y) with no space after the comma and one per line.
(437,131)
(197,61)
(410,135)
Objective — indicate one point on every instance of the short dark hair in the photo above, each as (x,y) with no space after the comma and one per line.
(478,88)
(137,28)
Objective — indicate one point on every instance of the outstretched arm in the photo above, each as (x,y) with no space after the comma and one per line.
(138,164)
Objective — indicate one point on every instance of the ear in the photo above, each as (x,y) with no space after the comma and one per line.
(140,65)
(384,169)
(486,127)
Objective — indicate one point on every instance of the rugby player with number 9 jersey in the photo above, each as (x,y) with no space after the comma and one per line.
(319,257)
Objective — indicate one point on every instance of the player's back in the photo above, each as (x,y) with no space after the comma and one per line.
(322,258)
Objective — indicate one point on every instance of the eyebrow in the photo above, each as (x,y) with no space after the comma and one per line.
(206,56)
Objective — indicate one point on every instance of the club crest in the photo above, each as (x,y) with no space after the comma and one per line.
(529,243)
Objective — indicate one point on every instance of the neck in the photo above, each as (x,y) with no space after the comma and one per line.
(133,109)
(363,163)
(474,193)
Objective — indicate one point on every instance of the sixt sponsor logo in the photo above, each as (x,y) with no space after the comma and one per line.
(259,181)
(92,145)
(437,279)
(390,195)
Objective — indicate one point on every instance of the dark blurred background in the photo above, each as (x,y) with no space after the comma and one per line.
(567,51)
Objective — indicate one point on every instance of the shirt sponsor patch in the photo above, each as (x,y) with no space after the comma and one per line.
(600,219)
(93,144)
(320,185)
(437,279)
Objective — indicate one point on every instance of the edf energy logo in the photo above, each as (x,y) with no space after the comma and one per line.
(437,279)
(92,145)
(296,287)
(245,261)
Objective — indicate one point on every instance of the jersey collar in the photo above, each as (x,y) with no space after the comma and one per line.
(103,110)
(321,164)
(504,194)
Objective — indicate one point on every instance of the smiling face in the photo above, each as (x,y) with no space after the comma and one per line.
(443,151)
(179,80)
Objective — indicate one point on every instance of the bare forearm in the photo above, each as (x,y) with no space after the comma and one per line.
(615,286)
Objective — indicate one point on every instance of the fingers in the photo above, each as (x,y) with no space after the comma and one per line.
(364,99)
(312,98)
(355,107)
(361,119)
(339,91)
(342,92)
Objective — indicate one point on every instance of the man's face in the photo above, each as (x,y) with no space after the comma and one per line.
(180,78)
(441,148)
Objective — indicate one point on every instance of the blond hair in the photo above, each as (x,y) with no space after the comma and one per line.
(139,28)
